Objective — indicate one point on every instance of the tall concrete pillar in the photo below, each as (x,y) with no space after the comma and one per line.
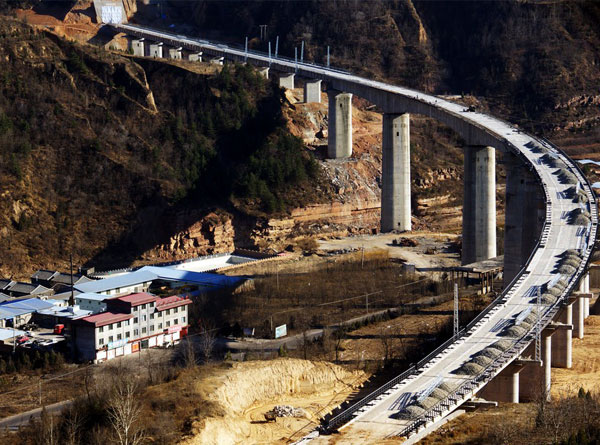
(264,71)
(312,91)
(395,181)
(578,315)
(175,53)
(156,50)
(505,386)
(138,47)
(287,81)
(536,376)
(339,143)
(195,57)
(524,216)
(479,205)
(562,348)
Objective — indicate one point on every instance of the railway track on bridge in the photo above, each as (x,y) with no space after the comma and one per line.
(457,370)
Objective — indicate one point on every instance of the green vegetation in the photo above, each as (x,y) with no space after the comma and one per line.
(91,143)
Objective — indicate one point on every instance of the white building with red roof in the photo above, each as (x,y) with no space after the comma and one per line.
(131,323)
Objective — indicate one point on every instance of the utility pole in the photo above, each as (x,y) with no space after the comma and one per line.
(276,46)
(538,330)
(327,56)
(302,53)
(72,299)
(246,50)
(296,57)
(269,53)
(455,311)
(263,32)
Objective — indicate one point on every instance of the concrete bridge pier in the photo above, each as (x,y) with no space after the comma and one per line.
(584,288)
(524,216)
(395,188)
(195,57)
(156,50)
(138,47)
(536,376)
(287,81)
(312,91)
(175,53)
(505,386)
(479,206)
(339,144)
(562,345)
(579,313)
(264,71)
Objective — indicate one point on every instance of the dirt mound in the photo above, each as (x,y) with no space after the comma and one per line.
(248,390)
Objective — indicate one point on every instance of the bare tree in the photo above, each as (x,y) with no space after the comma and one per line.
(73,421)
(124,412)
(207,339)
(47,433)
(188,353)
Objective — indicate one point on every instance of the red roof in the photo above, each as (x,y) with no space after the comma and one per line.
(137,299)
(170,302)
(104,318)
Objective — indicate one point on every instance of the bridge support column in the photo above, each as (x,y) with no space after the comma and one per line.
(536,377)
(156,50)
(218,60)
(479,206)
(312,91)
(264,71)
(138,47)
(562,349)
(175,53)
(195,57)
(287,81)
(584,288)
(339,143)
(395,188)
(579,313)
(524,216)
(505,386)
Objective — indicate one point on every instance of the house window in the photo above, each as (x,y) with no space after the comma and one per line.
(174,322)
(151,328)
(168,311)
(119,337)
(127,334)
(143,330)
(159,325)
(110,339)
(110,326)
(101,341)
(144,317)
(151,316)
(126,323)
(135,320)
(136,332)
(101,329)
(119,324)
(168,323)
(183,319)
(175,310)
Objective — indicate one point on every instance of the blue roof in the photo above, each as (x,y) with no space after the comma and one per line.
(125,280)
(200,278)
(151,273)
(9,309)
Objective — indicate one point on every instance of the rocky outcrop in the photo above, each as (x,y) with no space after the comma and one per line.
(212,233)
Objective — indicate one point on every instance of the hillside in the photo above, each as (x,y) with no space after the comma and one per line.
(99,152)
(538,65)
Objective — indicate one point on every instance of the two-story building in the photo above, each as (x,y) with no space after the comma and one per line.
(131,323)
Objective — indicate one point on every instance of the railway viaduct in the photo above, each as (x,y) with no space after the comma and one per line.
(507,352)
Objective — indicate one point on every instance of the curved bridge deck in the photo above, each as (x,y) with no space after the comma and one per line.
(379,414)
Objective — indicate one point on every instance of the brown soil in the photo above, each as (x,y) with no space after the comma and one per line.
(247,390)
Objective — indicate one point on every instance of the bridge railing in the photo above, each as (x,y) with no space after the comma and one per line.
(345,415)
